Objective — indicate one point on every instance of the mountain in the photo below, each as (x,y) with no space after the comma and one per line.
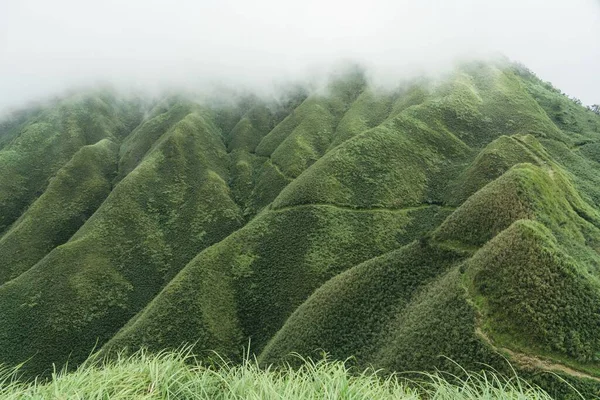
(446,221)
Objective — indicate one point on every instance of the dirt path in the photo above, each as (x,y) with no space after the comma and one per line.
(367,210)
(532,362)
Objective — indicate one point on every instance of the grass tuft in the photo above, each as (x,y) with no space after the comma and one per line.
(177,375)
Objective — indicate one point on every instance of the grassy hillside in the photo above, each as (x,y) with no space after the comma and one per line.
(71,197)
(452,218)
(171,206)
(248,284)
(348,314)
(38,147)
(175,375)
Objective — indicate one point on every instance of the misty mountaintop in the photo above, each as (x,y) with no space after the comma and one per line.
(440,223)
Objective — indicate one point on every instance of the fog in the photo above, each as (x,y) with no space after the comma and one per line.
(47,47)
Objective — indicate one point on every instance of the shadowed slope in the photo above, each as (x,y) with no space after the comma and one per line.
(532,294)
(372,165)
(401,311)
(72,196)
(255,181)
(383,167)
(48,141)
(306,134)
(494,160)
(156,123)
(439,322)
(247,285)
(368,111)
(346,315)
(250,130)
(175,203)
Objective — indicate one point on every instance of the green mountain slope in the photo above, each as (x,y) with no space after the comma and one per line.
(39,146)
(71,197)
(457,218)
(171,206)
(248,284)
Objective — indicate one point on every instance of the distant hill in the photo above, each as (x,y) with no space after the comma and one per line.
(455,220)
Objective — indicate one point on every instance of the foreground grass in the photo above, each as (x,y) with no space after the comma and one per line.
(174,376)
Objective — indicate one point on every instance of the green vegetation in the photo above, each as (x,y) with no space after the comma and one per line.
(493,161)
(248,284)
(176,376)
(153,222)
(456,219)
(548,305)
(72,196)
(306,134)
(349,314)
(48,140)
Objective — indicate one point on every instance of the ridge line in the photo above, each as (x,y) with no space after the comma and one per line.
(359,209)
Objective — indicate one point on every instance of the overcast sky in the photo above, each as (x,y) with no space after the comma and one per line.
(49,46)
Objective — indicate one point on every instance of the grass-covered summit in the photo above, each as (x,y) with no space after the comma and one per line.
(455,219)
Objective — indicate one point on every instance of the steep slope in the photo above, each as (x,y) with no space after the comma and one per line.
(72,196)
(339,317)
(524,289)
(551,305)
(412,156)
(247,285)
(48,140)
(494,160)
(171,206)
(456,218)
(305,135)
(347,315)
(159,120)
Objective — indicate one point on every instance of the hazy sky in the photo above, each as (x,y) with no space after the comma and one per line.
(47,46)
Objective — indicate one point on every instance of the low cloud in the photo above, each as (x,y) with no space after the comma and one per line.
(47,47)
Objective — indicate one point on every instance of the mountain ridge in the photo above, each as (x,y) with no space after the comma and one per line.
(218,224)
